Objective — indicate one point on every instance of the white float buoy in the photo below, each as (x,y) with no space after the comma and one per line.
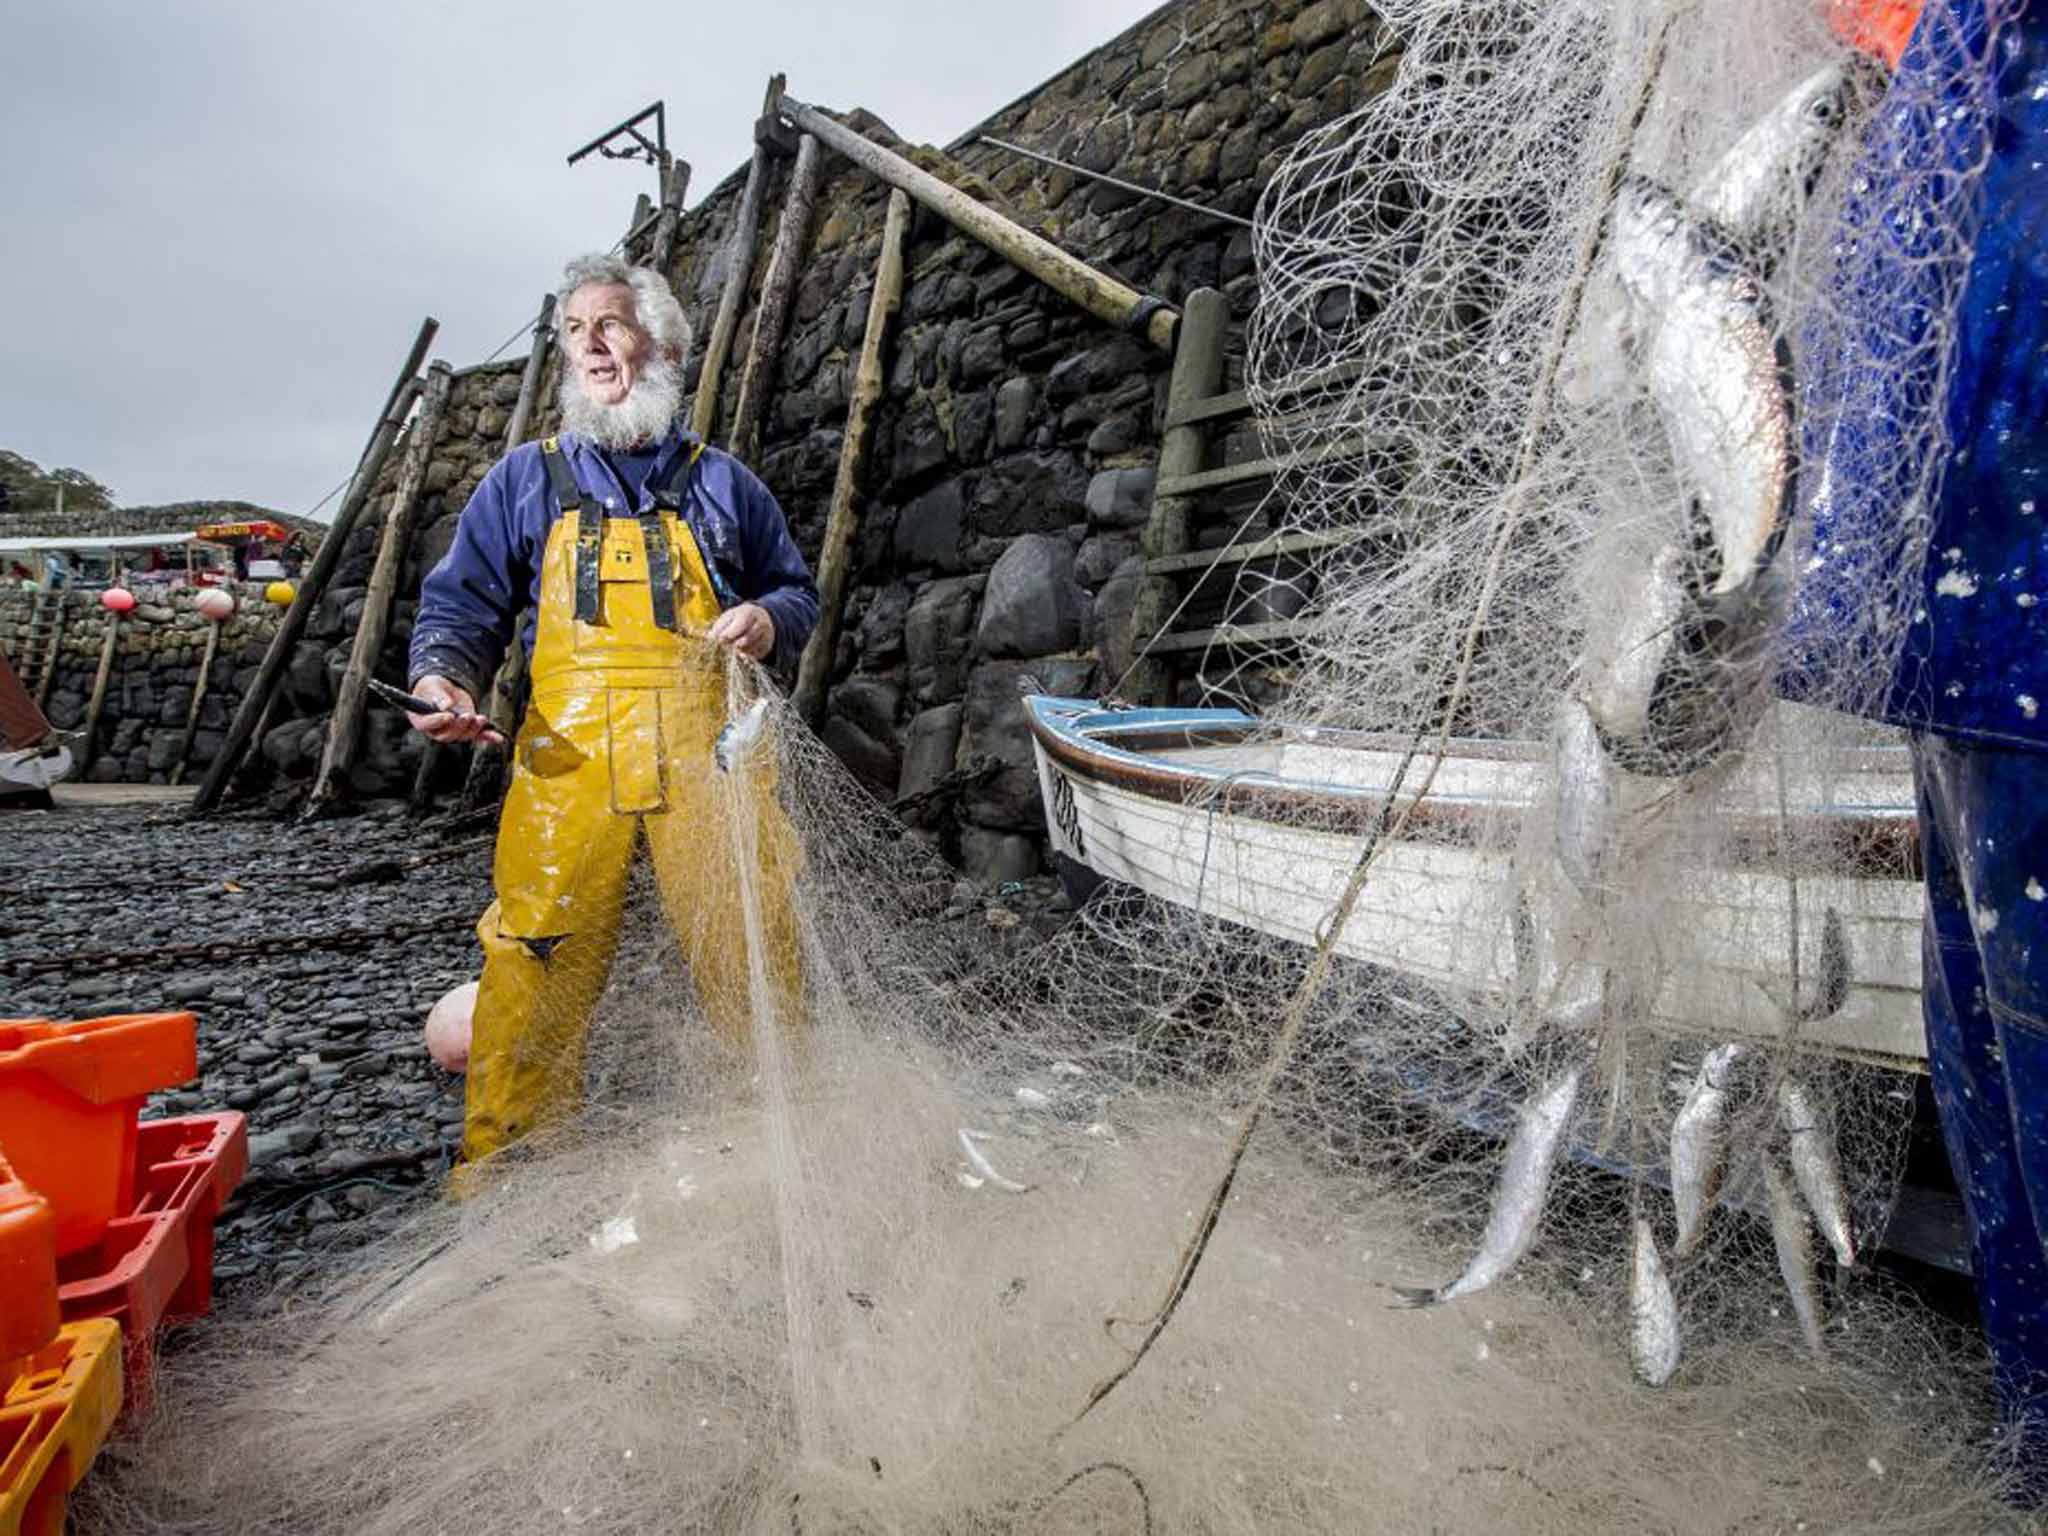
(448,1026)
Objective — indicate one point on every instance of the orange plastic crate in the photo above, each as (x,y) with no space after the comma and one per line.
(54,1417)
(68,1099)
(153,1264)
(28,1272)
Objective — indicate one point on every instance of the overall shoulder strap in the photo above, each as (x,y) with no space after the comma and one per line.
(589,530)
(669,494)
(661,581)
(568,495)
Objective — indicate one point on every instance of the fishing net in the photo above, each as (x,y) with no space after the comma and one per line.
(865,1270)
(1499,1145)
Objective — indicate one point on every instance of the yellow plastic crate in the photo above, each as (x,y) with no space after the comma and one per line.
(54,1418)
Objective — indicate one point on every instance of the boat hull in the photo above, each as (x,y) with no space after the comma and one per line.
(1206,810)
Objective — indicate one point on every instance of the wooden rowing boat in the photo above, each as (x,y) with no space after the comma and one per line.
(1261,825)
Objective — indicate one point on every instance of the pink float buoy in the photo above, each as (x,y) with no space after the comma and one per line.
(214,604)
(117,599)
(448,1026)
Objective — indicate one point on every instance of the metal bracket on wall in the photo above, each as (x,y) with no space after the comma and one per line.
(625,141)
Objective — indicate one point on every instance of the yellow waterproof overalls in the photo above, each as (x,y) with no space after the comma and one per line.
(628,698)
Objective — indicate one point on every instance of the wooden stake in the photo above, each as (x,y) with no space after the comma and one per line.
(1197,374)
(408,379)
(643,217)
(843,520)
(739,264)
(778,287)
(99,693)
(345,727)
(486,780)
(529,381)
(213,630)
(484,757)
(257,701)
(1097,292)
(675,181)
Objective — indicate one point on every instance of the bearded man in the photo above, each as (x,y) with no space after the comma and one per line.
(640,556)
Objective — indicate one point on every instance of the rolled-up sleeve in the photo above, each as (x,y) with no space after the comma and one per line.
(471,598)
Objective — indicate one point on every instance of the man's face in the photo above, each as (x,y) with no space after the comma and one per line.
(606,345)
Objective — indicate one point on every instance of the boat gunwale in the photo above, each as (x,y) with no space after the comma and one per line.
(1865,842)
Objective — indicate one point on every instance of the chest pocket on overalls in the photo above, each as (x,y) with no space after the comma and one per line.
(636,585)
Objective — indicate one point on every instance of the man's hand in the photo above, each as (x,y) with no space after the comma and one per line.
(746,628)
(457,720)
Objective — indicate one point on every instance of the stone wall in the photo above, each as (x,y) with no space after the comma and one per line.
(125,522)
(1011,469)
(155,668)
(471,439)
(1011,466)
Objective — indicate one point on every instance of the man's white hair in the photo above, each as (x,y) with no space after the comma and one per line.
(657,395)
(654,306)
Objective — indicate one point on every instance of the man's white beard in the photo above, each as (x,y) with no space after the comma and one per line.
(641,418)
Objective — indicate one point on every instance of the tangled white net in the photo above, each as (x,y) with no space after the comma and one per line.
(1565,1105)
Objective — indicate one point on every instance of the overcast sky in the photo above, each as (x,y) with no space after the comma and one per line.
(225,220)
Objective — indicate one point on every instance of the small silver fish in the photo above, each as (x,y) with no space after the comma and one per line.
(1792,1235)
(1699,1145)
(1622,683)
(1654,1342)
(978,1160)
(1585,797)
(739,735)
(1717,372)
(1518,1202)
(1688,675)
(1753,195)
(1832,983)
(1755,190)
(1816,1165)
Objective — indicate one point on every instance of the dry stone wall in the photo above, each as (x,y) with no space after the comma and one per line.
(155,668)
(1011,464)
(1011,468)
(470,441)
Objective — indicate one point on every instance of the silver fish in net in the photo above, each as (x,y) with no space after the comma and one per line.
(738,737)
(1524,1191)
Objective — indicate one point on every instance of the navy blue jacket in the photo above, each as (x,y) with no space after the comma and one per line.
(469,601)
(1975,658)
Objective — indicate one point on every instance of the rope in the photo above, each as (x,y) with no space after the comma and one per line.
(1115,181)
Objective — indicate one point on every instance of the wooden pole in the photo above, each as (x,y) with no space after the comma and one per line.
(739,263)
(1197,374)
(486,780)
(841,522)
(345,727)
(213,630)
(408,378)
(1097,292)
(257,701)
(485,757)
(675,181)
(423,777)
(778,288)
(99,692)
(529,381)
(643,218)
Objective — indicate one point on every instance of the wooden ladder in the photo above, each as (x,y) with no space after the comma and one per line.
(39,648)
(1175,620)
